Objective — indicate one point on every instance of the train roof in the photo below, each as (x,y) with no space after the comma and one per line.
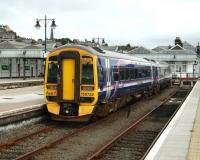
(105,53)
(100,52)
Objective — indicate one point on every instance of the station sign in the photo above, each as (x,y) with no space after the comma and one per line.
(27,68)
(4,67)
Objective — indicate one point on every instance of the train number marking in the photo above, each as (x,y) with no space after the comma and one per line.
(86,94)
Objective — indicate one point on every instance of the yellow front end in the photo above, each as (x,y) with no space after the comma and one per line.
(71,84)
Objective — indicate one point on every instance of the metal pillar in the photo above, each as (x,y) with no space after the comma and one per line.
(24,64)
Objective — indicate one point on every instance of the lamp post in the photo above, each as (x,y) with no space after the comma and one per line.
(45,22)
(98,40)
(53,26)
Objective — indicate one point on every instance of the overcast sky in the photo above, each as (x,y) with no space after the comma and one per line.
(139,22)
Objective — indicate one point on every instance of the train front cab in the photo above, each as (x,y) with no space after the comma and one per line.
(71,86)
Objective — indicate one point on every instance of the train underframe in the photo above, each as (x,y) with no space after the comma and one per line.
(103,109)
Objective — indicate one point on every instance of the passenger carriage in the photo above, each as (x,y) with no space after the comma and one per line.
(82,81)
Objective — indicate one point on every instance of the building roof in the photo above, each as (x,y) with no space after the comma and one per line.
(18,45)
(141,50)
(183,52)
(177,47)
(188,46)
(32,47)
(159,48)
(7,45)
(12,45)
(109,48)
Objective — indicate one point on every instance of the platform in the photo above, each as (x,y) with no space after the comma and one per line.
(181,138)
(20,100)
(18,82)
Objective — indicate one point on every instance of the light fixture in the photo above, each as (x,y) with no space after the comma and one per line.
(37,26)
(53,25)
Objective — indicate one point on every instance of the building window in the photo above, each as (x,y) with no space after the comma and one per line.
(184,67)
(172,66)
(178,68)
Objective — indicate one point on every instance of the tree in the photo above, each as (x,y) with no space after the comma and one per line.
(64,41)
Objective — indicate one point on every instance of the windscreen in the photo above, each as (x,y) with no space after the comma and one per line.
(87,74)
(52,73)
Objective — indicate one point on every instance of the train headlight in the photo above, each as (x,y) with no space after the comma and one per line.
(51,87)
(87,88)
(66,111)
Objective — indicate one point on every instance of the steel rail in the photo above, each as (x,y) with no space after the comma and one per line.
(62,137)
(22,138)
(65,136)
(125,132)
(165,126)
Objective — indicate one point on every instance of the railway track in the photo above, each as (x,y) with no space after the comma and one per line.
(135,141)
(24,146)
(30,146)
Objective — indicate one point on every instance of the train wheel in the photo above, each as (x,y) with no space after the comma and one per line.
(158,89)
(150,92)
(145,95)
(102,110)
(93,118)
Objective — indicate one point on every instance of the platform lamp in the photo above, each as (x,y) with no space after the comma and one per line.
(194,67)
(45,22)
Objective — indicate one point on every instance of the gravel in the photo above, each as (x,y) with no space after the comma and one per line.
(84,144)
(12,131)
(36,141)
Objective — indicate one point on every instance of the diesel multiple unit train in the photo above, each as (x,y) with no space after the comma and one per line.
(82,81)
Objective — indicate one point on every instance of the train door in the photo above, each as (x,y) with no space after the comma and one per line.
(69,63)
(108,79)
(155,74)
(68,71)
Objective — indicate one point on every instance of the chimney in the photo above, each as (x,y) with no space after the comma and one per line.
(198,49)
(178,41)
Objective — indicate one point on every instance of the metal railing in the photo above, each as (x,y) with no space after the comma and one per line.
(188,76)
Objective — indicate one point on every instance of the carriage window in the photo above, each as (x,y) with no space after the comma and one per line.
(52,73)
(132,73)
(137,73)
(127,75)
(100,74)
(148,72)
(115,74)
(143,73)
(87,74)
(122,74)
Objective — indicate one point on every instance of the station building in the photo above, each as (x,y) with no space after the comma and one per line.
(184,58)
(21,60)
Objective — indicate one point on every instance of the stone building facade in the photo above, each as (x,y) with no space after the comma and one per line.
(184,58)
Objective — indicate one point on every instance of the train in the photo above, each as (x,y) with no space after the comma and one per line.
(82,82)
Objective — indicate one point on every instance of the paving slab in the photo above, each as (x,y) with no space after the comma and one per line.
(17,98)
(179,139)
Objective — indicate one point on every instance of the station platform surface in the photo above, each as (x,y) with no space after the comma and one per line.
(14,80)
(12,100)
(19,82)
(181,138)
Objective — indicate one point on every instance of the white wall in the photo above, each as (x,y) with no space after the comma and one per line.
(15,61)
